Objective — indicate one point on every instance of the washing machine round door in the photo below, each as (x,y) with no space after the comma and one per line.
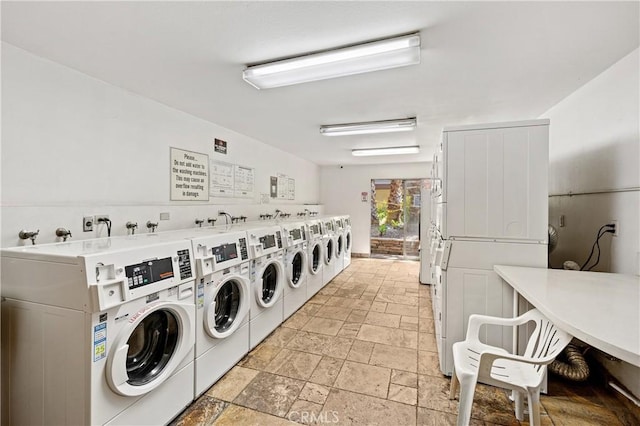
(328,253)
(316,258)
(339,244)
(347,241)
(150,347)
(269,284)
(226,307)
(297,266)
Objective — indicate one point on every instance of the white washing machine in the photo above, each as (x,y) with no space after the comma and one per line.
(223,300)
(340,244)
(347,241)
(315,257)
(329,268)
(267,280)
(97,332)
(296,264)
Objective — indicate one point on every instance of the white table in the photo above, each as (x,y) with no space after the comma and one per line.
(601,309)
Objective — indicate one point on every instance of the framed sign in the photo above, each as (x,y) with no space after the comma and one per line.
(189,175)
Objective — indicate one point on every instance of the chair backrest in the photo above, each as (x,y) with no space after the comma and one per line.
(546,341)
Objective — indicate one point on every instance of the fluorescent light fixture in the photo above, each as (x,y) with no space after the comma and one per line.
(386,126)
(373,56)
(386,151)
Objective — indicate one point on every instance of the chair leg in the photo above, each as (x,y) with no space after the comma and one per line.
(467,390)
(454,385)
(534,406)
(518,399)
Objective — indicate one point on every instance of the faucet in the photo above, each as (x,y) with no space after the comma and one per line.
(63,233)
(237,219)
(226,216)
(152,226)
(29,235)
(211,221)
(132,227)
(199,222)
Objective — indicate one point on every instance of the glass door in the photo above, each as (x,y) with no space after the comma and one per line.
(395,218)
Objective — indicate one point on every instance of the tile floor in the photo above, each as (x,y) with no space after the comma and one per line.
(362,352)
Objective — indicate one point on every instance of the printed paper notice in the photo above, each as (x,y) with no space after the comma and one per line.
(189,176)
(244,182)
(286,187)
(221,179)
(291,189)
(231,180)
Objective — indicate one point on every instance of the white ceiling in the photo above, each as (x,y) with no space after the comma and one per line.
(481,61)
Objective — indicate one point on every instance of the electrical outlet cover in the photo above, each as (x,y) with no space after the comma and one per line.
(87,224)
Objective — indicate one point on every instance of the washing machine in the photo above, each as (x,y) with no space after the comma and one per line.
(340,244)
(346,232)
(97,332)
(296,247)
(329,268)
(267,280)
(223,300)
(315,257)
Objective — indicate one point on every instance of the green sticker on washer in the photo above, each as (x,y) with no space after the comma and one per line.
(99,341)
(201,294)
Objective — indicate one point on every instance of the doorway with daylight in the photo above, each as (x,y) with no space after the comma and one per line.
(395,217)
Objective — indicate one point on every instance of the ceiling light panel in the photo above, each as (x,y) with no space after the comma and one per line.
(415,149)
(386,126)
(374,56)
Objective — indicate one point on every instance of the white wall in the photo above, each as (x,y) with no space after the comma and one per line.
(595,146)
(73,145)
(342,187)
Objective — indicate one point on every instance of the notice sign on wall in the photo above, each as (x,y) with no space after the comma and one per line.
(220,146)
(189,175)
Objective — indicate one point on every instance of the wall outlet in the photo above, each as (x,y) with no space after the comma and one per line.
(87,224)
(616,224)
(165,216)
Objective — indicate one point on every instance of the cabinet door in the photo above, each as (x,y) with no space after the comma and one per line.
(496,183)
(476,291)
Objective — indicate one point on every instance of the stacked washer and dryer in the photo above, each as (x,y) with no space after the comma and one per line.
(97,332)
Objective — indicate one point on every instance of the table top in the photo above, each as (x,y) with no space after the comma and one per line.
(601,309)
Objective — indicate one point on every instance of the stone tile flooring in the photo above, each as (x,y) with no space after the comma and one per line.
(362,352)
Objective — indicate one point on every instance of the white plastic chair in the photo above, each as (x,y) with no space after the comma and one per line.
(474,360)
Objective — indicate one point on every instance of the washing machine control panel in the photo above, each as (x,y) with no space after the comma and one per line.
(271,240)
(297,234)
(149,272)
(315,229)
(225,252)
